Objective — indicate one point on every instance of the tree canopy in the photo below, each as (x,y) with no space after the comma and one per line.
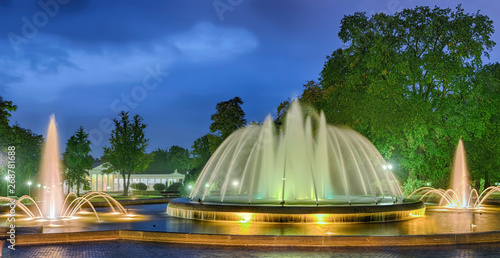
(169,160)
(28,148)
(229,117)
(127,153)
(77,159)
(409,82)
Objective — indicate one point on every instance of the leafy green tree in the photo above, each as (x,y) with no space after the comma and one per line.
(6,107)
(178,159)
(127,153)
(28,148)
(200,152)
(483,152)
(169,160)
(159,161)
(28,155)
(406,81)
(77,159)
(229,117)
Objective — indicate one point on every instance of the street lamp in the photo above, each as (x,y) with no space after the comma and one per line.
(29,188)
(235,183)
(7,179)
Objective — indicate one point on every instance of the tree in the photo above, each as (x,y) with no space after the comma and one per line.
(169,160)
(201,154)
(6,107)
(179,159)
(127,153)
(77,159)
(281,112)
(482,152)
(229,117)
(159,160)
(28,148)
(407,82)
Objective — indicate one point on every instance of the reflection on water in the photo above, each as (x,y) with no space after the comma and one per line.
(436,221)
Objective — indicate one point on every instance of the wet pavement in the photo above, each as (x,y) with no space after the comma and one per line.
(124,249)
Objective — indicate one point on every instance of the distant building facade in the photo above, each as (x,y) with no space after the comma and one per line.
(113,182)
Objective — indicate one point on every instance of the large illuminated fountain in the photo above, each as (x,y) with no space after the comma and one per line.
(53,205)
(461,194)
(308,172)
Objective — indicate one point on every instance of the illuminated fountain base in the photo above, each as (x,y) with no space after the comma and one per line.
(382,212)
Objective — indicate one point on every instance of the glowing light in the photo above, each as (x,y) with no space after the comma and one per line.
(235,183)
(245,217)
(389,166)
(7,178)
(190,186)
(29,182)
(39,185)
(207,185)
(320,218)
(415,216)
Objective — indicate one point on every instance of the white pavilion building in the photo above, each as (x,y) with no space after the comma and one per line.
(113,182)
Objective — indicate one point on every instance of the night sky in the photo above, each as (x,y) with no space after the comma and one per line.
(169,61)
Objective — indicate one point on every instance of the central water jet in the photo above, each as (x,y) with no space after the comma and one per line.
(50,173)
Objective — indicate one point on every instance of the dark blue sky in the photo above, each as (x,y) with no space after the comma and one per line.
(86,60)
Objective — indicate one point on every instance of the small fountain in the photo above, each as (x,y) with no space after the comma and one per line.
(53,206)
(461,194)
(308,172)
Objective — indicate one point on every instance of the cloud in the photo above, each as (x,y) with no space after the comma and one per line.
(51,64)
(207,42)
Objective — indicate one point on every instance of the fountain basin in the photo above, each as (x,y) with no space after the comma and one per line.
(358,213)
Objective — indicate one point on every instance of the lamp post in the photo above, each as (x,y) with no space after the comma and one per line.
(29,188)
(235,183)
(7,179)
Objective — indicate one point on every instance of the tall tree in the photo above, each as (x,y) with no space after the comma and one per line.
(406,81)
(178,159)
(483,152)
(175,158)
(201,154)
(229,117)
(159,160)
(127,153)
(77,159)
(6,107)
(28,148)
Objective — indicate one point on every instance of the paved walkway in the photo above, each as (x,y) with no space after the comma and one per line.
(123,249)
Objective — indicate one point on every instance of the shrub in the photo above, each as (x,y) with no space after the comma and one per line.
(411,185)
(133,186)
(159,187)
(142,186)
(174,187)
